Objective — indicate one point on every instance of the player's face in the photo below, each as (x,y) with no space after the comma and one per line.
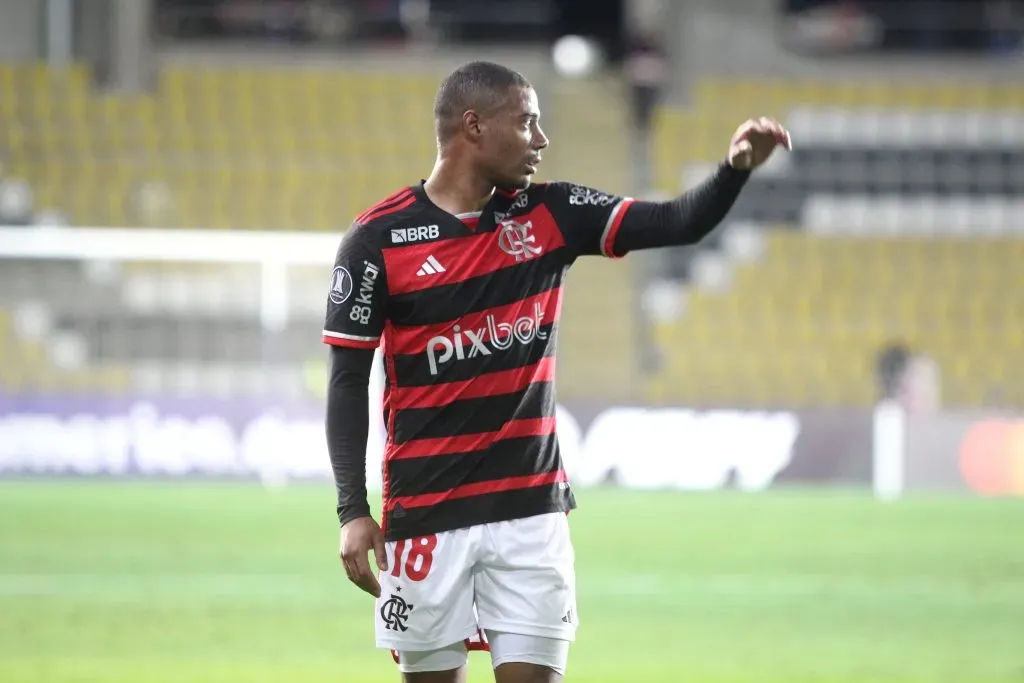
(513,141)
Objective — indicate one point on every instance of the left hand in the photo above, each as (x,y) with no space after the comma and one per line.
(755,141)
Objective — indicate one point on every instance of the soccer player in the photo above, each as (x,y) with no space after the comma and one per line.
(458,279)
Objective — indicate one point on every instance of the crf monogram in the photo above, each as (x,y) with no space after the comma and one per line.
(395,612)
(515,239)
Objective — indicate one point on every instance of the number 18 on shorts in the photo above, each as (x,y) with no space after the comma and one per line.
(511,577)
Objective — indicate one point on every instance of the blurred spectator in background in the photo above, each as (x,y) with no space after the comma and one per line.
(646,73)
(646,70)
(892,363)
(910,378)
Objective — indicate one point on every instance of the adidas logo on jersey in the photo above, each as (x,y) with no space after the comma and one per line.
(430,267)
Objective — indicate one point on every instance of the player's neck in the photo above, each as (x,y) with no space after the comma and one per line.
(455,189)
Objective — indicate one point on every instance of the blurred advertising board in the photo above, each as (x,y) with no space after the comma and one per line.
(635,447)
(980,452)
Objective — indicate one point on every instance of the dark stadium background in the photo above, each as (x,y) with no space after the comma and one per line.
(798,447)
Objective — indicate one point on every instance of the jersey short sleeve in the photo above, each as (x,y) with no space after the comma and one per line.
(358,293)
(589,219)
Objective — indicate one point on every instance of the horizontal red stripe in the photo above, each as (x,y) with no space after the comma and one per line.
(479,489)
(464,443)
(412,339)
(467,257)
(390,200)
(491,384)
(351,343)
(471,222)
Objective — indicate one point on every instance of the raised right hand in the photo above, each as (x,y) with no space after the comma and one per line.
(754,142)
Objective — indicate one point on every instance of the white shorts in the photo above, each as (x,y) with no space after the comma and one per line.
(510,577)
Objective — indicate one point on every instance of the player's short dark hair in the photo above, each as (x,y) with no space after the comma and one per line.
(482,86)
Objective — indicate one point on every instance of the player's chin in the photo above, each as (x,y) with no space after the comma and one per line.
(519,182)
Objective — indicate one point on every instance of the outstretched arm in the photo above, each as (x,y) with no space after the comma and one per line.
(687,219)
(595,222)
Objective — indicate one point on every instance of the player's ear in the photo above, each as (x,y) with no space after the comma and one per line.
(472,125)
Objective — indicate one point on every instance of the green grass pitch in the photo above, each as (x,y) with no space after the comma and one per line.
(173,583)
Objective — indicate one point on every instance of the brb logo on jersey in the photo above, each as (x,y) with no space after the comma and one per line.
(494,336)
(514,239)
(408,235)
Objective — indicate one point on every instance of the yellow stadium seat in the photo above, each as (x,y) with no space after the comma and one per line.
(817,345)
(272,128)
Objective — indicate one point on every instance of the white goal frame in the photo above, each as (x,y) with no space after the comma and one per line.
(273,251)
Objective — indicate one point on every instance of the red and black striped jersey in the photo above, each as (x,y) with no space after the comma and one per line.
(465,310)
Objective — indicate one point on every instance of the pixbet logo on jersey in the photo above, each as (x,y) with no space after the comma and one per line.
(484,341)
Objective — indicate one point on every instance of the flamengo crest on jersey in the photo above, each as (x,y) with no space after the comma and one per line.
(515,239)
